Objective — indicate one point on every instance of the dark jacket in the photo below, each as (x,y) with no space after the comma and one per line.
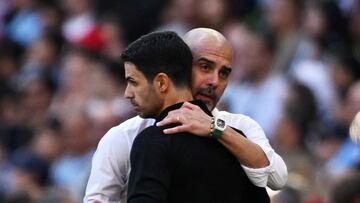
(187,168)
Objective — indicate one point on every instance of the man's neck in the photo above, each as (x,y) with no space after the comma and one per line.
(180,95)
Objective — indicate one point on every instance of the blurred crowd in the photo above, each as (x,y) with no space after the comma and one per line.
(295,71)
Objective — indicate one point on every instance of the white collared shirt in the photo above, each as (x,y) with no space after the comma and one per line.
(111,162)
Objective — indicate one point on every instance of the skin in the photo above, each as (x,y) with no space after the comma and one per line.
(211,69)
(149,98)
(140,92)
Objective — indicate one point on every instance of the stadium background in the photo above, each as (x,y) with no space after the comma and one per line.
(296,72)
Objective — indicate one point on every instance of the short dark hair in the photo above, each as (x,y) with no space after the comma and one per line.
(159,52)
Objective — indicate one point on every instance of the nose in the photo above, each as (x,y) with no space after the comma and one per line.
(213,80)
(128,94)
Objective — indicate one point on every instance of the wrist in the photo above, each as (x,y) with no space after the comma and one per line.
(217,127)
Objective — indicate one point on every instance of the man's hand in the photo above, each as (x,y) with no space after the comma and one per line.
(192,119)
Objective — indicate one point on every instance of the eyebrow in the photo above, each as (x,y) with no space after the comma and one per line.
(227,68)
(206,60)
(128,78)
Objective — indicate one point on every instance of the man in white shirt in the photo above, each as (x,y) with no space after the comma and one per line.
(211,67)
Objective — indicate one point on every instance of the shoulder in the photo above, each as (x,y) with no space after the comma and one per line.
(118,140)
(247,125)
(235,120)
(126,131)
(151,134)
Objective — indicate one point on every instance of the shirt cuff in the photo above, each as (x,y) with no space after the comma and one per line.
(260,176)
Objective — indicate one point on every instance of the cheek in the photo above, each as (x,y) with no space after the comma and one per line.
(149,96)
(194,82)
(197,80)
(221,88)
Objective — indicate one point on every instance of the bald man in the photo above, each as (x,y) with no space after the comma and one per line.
(211,68)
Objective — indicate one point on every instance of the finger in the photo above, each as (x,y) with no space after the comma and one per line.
(169,120)
(176,129)
(164,121)
(188,105)
(174,113)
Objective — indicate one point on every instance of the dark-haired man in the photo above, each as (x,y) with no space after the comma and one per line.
(182,167)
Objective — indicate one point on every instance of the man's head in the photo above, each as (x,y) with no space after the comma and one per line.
(211,64)
(153,64)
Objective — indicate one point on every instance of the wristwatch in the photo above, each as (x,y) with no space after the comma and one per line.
(219,127)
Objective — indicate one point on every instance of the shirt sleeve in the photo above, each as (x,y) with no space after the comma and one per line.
(107,181)
(150,177)
(275,174)
(111,164)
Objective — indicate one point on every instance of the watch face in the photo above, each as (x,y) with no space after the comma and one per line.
(220,123)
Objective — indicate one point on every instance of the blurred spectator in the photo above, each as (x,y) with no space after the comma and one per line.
(4,9)
(8,68)
(316,75)
(113,35)
(346,189)
(346,155)
(37,95)
(24,23)
(41,60)
(180,16)
(326,26)
(214,13)
(284,20)
(354,28)
(52,16)
(30,180)
(13,132)
(345,71)
(261,91)
(240,38)
(48,141)
(80,27)
(70,171)
(291,138)
(29,176)
(73,88)
(287,195)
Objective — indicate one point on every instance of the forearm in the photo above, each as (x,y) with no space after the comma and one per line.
(248,153)
(260,162)
(263,165)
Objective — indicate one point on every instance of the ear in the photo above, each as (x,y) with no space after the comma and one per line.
(162,82)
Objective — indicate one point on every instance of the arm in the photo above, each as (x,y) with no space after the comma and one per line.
(275,173)
(107,180)
(262,165)
(149,179)
(111,163)
(248,153)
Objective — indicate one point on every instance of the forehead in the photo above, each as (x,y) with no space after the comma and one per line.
(217,52)
(131,71)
